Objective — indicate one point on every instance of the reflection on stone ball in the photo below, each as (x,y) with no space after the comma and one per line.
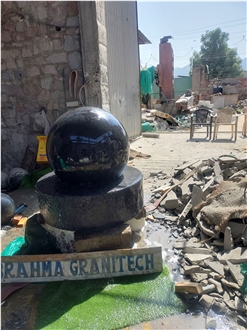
(87,145)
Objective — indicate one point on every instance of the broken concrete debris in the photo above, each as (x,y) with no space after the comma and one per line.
(236,274)
(228,240)
(186,101)
(210,218)
(183,110)
(211,323)
(160,121)
(188,287)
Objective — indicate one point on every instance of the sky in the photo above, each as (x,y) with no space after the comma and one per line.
(186,22)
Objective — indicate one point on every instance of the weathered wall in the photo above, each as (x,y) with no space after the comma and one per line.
(40,46)
(123,64)
(242,88)
(204,86)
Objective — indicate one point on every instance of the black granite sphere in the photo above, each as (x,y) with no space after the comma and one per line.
(7,208)
(87,145)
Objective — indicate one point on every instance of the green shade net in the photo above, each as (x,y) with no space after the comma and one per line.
(152,72)
(145,82)
(107,303)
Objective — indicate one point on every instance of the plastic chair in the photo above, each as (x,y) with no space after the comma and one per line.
(202,117)
(244,129)
(226,117)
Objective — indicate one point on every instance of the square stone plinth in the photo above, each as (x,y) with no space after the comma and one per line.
(110,239)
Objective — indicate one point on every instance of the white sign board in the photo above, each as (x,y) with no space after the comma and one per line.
(81,266)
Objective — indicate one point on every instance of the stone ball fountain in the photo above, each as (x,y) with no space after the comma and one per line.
(91,187)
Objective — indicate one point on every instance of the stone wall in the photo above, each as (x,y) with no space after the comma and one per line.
(94,53)
(40,47)
(207,88)
(204,86)
(242,88)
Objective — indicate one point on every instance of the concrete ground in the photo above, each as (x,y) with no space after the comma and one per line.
(171,149)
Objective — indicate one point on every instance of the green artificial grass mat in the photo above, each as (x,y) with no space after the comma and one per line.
(29,180)
(107,303)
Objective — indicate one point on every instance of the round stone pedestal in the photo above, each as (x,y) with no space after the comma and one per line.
(90,208)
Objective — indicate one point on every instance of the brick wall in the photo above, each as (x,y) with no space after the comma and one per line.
(207,88)
(242,88)
(166,70)
(40,46)
(204,86)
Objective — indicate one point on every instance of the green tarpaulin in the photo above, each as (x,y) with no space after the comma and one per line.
(145,82)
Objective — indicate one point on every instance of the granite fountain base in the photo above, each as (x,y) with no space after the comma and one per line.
(93,214)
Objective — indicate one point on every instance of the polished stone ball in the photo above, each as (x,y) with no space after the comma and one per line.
(15,177)
(87,145)
(7,208)
(4,180)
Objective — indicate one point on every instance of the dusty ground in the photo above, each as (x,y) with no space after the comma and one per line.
(168,151)
(173,148)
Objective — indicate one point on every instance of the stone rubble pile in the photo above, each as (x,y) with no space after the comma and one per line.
(162,121)
(204,204)
(240,105)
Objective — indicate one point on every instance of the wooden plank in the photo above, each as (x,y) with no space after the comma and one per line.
(185,165)
(29,160)
(164,116)
(162,188)
(81,266)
